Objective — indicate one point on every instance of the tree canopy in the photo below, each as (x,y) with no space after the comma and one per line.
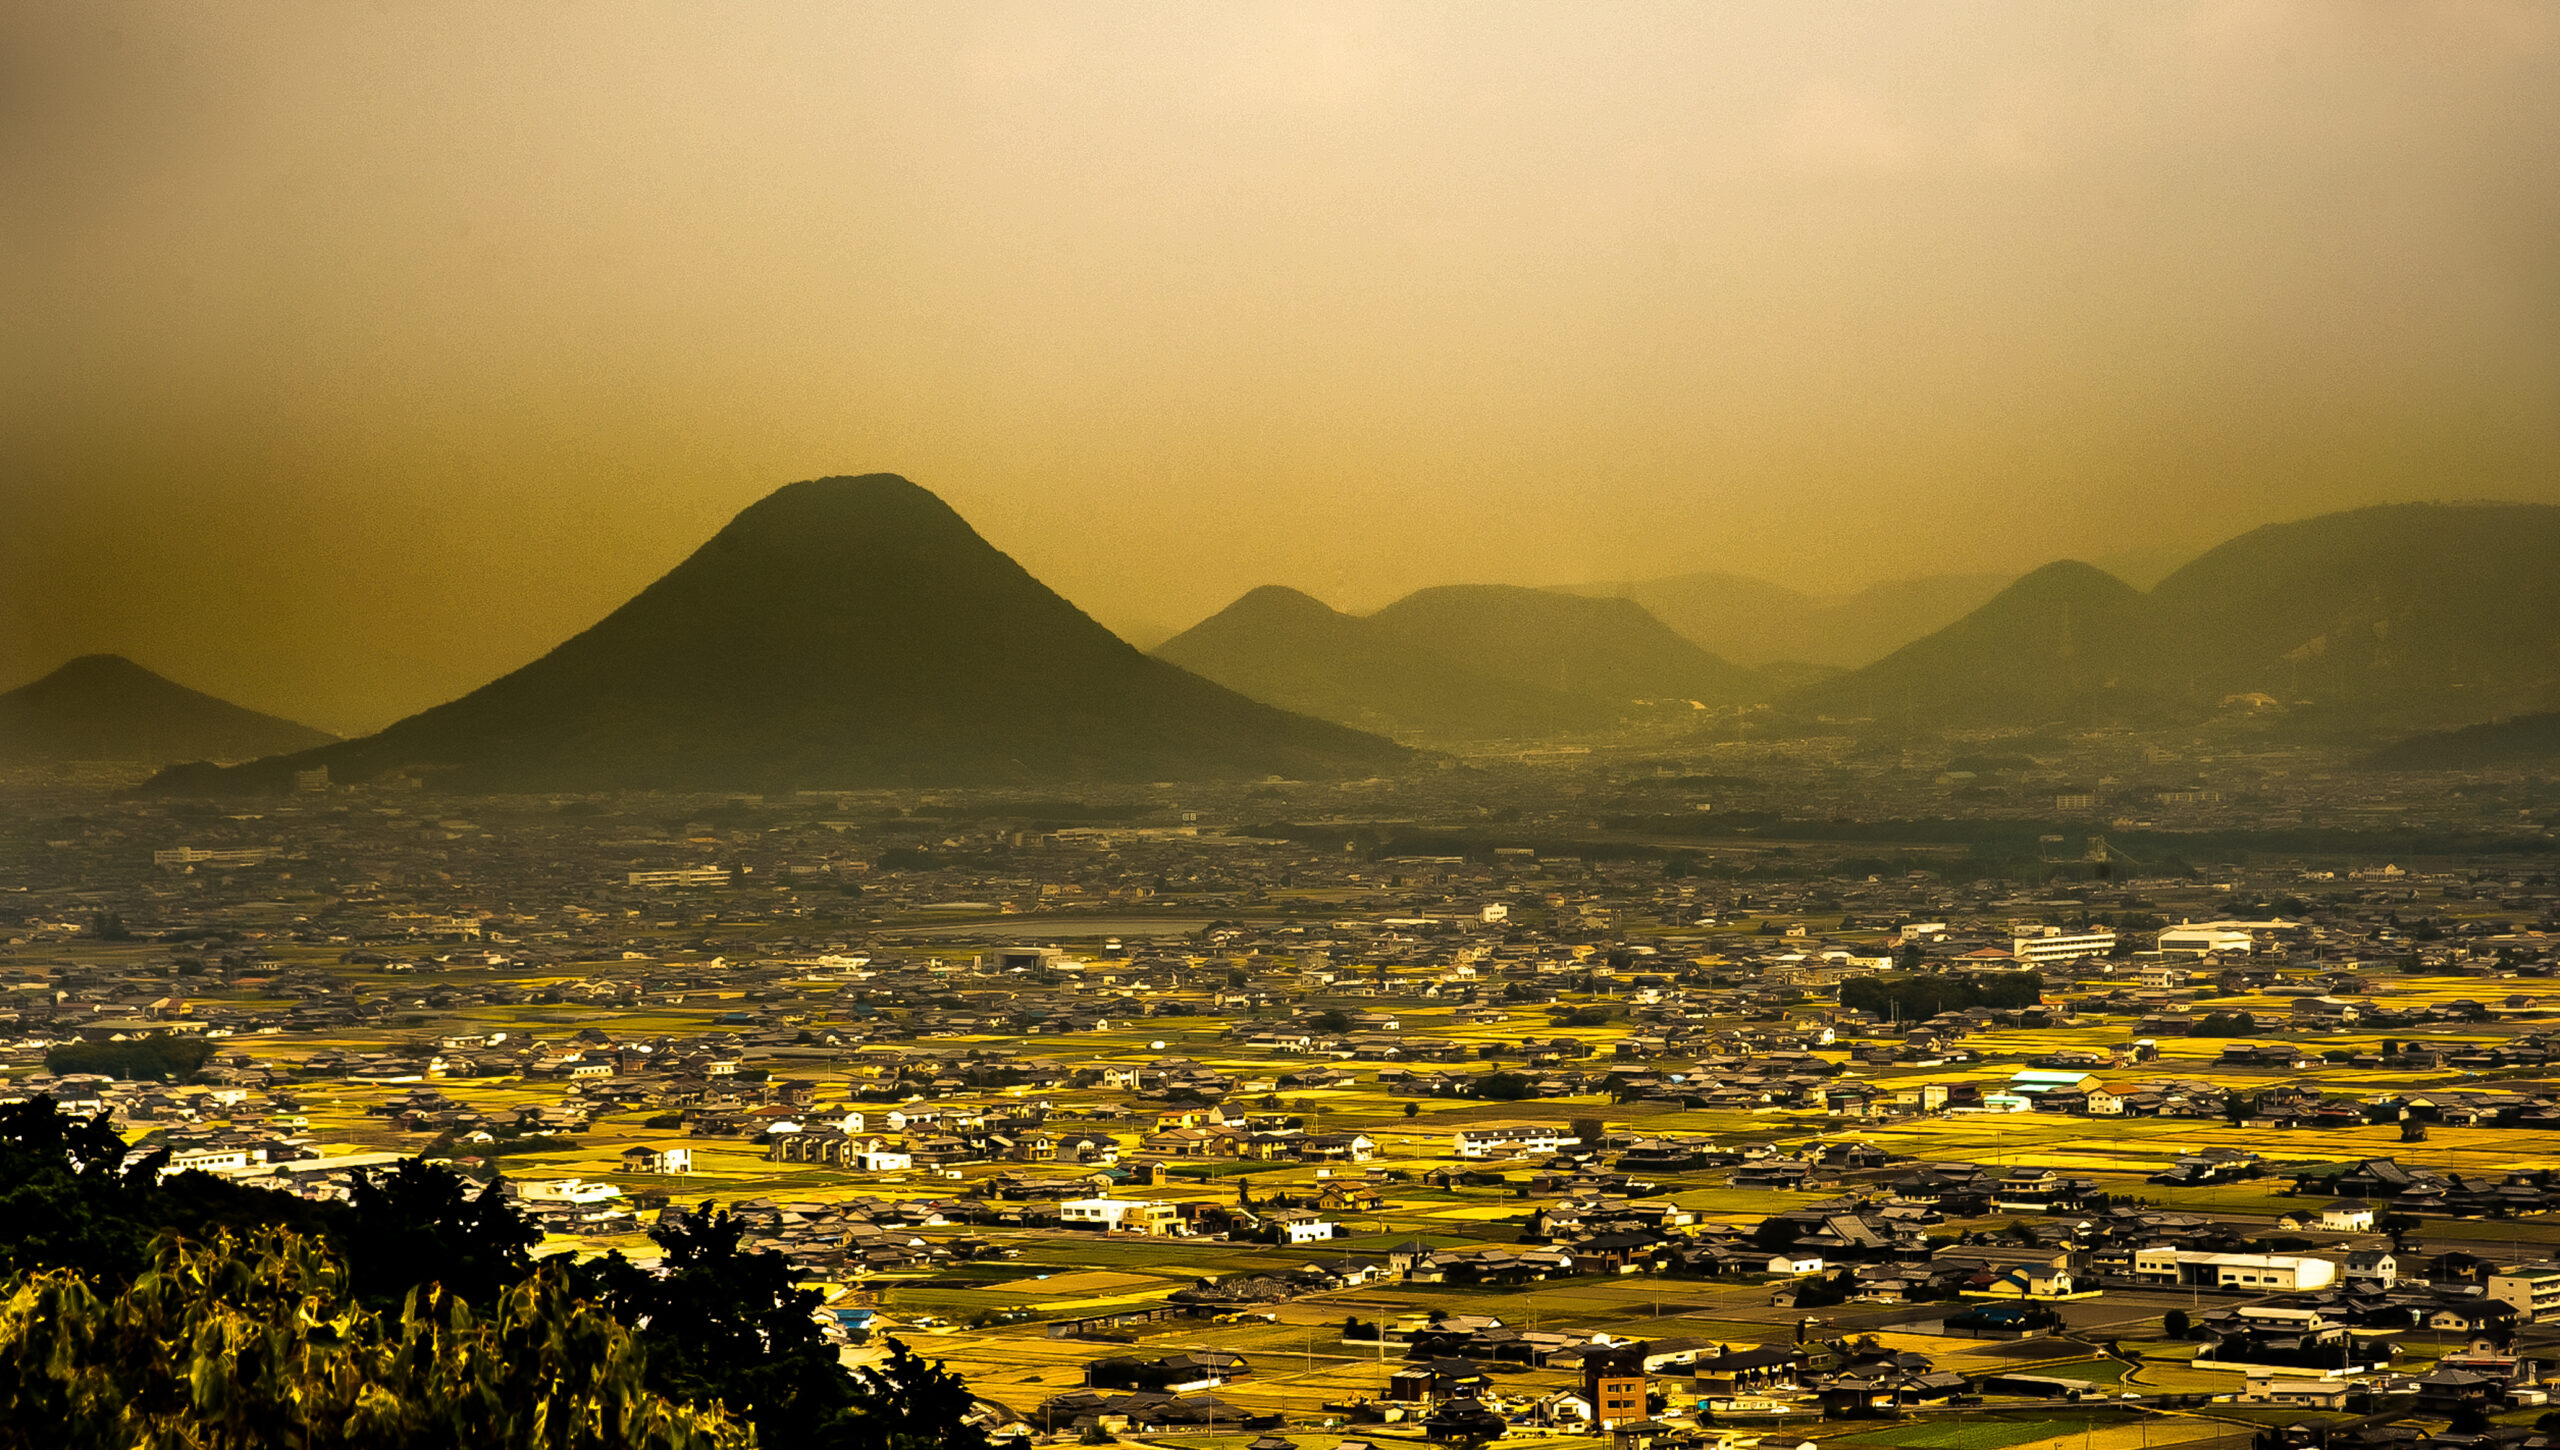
(421,1288)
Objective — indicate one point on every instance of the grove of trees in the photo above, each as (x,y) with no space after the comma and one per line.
(1920,996)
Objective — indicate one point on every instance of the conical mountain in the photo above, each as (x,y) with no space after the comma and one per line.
(841,632)
(106,707)
(2067,642)
(1295,651)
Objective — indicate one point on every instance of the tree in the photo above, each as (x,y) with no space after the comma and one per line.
(427,1261)
(905,1403)
(2398,1226)
(423,1220)
(157,1057)
(1913,998)
(241,1344)
(1819,1292)
(724,1324)
(1412,1109)
(2176,1323)
(74,1196)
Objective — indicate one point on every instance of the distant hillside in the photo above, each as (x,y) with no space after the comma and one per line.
(2525,740)
(841,632)
(106,707)
(2404,615)
(1466,662)
(1289,649)
(2421,611)
(2066,641)
(1609,649)
(1754,622)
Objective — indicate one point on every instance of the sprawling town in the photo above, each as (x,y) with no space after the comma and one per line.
(1769,1092)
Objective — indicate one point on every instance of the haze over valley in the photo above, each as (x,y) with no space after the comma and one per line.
(1033,726)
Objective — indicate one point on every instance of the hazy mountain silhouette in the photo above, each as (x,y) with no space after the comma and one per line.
(2066,641)
(1461,662)
(2402,615)
(1754,622)
(2424,612)
(2524,740)
(1292,650)
(106,707)
(1609,649)
(841,632)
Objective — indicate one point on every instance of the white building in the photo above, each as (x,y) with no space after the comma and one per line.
(688,876)
(1509,1142)
(2056,945)
(209,1160)
(2273,1273)
(567,1190)
(1297,1226)
(657,1160)
(2207,939)
(1121,1215)
(212,856)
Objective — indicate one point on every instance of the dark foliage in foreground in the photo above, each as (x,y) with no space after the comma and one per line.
(86,1225)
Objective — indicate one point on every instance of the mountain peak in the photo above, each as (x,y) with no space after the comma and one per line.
(99,668)
(1279,601)
(2067,579)
(106,707)
(867,501)
(850,631)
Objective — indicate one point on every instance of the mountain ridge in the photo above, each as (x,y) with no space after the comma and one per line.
(1457,662)
(1756,622)
(2522,740)
(2399,615)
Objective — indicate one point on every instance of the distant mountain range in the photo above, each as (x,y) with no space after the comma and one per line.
(1464,662)
(843,632)
(856,632)
(1754,622)
(2404,615)
(2526,740)
(2400,617)
(107,708)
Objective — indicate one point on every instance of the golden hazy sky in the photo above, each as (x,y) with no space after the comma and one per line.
(357,353)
